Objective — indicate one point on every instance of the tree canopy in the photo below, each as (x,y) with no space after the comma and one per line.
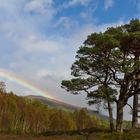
(107,67)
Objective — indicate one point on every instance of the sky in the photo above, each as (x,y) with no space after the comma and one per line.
(39,38)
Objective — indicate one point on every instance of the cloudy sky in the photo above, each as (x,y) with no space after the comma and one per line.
(39,38)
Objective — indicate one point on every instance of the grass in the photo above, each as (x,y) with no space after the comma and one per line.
(18,137)
(93,136)
(128,135)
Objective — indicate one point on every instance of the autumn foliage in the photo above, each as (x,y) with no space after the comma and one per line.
(22,115)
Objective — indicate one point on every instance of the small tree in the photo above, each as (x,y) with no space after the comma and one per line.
(2,87)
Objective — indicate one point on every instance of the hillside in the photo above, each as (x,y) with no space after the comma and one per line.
(53,103)
(61,105)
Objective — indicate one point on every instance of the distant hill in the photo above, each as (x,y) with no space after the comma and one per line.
(61,105)
(53,103)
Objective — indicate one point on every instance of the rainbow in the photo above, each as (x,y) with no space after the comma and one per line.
(27,84)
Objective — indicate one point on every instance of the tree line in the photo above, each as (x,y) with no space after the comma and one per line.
(22,115)
(107,69)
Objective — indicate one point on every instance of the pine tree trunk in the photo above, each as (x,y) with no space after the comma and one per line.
(135,98)
(135,112)
(119,118)
(110,117)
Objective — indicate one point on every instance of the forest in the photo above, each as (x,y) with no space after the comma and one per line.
(20,115)
(22,118)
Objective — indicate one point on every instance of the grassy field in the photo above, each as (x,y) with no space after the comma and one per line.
(64,137)
(93,136)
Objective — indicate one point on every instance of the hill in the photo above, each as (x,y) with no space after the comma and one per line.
(64,106)
(53,103)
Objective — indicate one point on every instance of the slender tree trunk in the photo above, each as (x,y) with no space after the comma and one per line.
(110,117)
(119,118)
(135,97)
(135,112)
